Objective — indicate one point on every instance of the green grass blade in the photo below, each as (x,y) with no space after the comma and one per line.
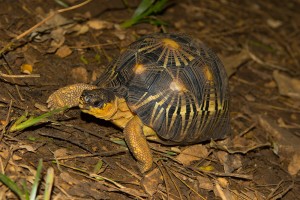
(49,183)
(143,6)
(25,189)
(144,10)
(159,6)
(36,180)
(12,186)
(32,121)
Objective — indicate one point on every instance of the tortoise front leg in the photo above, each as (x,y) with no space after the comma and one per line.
(68,95)
(137,143)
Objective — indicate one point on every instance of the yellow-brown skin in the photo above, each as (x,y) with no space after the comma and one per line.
(118,113)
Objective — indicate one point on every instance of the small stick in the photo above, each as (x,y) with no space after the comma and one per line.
(19,76)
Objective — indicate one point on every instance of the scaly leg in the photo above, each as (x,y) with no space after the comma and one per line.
(68,95)
(137,143)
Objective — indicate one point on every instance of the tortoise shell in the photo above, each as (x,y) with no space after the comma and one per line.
(175,84)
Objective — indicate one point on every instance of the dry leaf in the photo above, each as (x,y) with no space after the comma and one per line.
(41,107)
(205,183)
(80,74)
(87,190)
(223,182)
(68,178)
(294,166)
(16,157)
(99,24)
(232,63)
(63,51)
(27,147)
(57,20)
(151,181)
(287,85)
(287,142)
(58,39)
(120,34)
(60,153)
(250,97)
(192,153)
(274,23)
(80,29)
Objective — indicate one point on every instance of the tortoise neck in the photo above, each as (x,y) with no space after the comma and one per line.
(123,114)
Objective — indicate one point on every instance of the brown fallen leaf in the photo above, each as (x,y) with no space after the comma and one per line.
(273,23)
(205,183)
(66,177)
(232,63)
(16,157)
(230,162)
(281,135)
(287,86)
(80,29)
(151,181)
(192,153)
(100,24)
(60,152)
(58,39)
(80,74)
(28,148)
(63,51)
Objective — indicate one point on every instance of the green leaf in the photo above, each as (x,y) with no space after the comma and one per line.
(36,180)
(17,126)
(84,60)
(98,167)
(118,141)
(145,9)
(12,186)
(49,183)
(143,6)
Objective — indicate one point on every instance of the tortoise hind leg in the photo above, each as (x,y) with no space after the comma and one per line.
(68,95)
(137,143)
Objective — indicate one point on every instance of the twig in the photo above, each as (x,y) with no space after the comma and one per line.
(221,174)
(129,171)
(108,182)
(165,178)
(248,129)
(220,191)
(78,144)
(272,195)
(213,144)
(192,189)
(19,76)
(172,180)
(104,154)
(259,61)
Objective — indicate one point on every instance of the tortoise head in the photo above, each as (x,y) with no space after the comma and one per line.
(100,103)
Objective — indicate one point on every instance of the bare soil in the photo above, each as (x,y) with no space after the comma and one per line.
(259,43)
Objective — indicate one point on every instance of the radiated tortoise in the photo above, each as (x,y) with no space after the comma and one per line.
(167,87)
